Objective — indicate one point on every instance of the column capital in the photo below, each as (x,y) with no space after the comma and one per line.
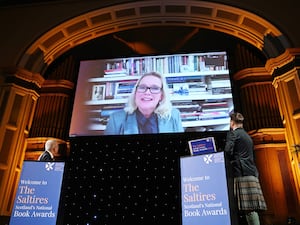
(21,77)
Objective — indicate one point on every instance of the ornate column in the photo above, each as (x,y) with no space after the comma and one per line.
(269,99)
(257,98)
(54,109)
(286,70)
(18,96)
(52,118)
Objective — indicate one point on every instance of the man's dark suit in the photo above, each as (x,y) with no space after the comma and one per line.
(45,156)
(239,149)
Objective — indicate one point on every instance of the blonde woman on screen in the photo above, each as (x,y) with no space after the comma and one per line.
(149,109)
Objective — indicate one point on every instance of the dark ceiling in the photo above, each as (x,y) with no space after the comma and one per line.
(162,40)
(22,2)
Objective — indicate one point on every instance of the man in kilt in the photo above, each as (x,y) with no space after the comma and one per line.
(239,151)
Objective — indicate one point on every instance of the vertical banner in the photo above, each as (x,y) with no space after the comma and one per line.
(204,193)
(38,193)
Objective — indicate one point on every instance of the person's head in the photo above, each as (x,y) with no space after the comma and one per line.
(236,120)
(149,95)
(52,146)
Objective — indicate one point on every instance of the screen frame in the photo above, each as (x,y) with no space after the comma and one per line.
(93,68)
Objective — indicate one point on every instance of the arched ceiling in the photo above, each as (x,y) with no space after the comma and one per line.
(196,14)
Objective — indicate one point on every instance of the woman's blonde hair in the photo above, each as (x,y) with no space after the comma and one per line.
(164,107)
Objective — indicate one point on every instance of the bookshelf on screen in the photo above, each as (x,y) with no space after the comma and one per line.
(199,86)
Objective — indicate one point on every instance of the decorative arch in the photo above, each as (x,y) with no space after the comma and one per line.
(218,17)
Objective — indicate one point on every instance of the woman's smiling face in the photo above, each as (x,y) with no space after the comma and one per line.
(147,101)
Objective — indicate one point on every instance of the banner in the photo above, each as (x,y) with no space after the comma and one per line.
(38,193)
(204,194)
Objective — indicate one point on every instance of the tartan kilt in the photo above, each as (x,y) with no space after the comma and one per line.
(248,193)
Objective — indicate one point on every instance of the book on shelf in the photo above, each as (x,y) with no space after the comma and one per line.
(213,115)
(215,60)
(115,72)
(110,90)
(139,66)
(194,116)
(196,87)
(216,83)
(223,109)
(187,106)
(190,116)
(221,90)
(215,106)
(184,79)
(188,88)
(116,68)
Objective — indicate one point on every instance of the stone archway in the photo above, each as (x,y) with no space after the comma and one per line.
(198,14)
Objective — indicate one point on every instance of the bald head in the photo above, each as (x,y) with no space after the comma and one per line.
(52,146)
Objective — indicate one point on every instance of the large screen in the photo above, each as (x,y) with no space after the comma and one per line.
(198,86)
